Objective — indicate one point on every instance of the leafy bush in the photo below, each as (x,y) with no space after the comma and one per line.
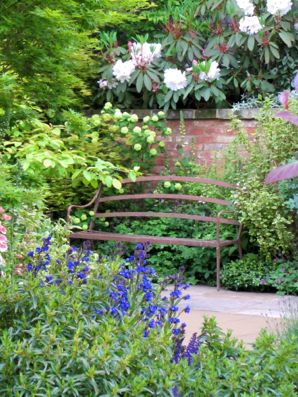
(221,49)
(260,207)
(93,328)
(285,277)
(255,273)
(50,46)
(85,151)
(101,318)
(248,273)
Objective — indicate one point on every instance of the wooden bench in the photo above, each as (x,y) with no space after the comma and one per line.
(218,244)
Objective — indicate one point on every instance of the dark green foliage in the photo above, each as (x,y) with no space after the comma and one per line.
(19,189)
(248,273)
(261,208)
(255,273)
(285,277)
(261,63)
(55,348)
(50,45)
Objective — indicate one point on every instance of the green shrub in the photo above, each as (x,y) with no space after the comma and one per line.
(248,273)
(193,33)
(263,211)
(255,273)
(62,333)
(285,277)
(225,368)
(51,46)
(86,327)
(72,159)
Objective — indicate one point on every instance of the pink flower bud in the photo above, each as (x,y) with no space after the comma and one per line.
(284,99)
(2,210)
(195,63)
(20,269)
(3,247)
(2,229)
(129,45)
(6,217)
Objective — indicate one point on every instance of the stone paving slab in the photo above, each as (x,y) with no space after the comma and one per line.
(249,303)
(244,327)
(245,313)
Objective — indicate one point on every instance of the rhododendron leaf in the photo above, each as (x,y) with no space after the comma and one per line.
(251,43)
(139,84)
(147,82)
(287,38)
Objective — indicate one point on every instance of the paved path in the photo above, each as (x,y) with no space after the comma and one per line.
(245,313)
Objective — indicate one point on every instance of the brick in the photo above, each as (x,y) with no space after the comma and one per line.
(205,138)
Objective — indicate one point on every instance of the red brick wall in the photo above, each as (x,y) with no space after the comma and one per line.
(205,139)
(208,133)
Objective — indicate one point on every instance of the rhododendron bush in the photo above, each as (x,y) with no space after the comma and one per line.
(198,52)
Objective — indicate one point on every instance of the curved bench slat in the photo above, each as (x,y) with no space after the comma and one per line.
(187,197)
(176,178)
(174,215)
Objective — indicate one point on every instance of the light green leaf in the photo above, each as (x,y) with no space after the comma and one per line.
(117,184)
(87,175)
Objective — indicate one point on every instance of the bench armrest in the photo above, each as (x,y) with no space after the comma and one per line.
(219,215)
(94,201)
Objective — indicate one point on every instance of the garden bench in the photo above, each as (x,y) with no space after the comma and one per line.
(218,243)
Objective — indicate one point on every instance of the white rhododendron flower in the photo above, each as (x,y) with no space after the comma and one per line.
(103,84)
(123,70)
(212,74)
(175,79)
(246,6)
(280,7)
(144,54)
(250,25)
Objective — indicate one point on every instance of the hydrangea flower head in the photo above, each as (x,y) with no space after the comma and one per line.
(279,7)
(175,79)
(250,25)
(246,6)
(123,70)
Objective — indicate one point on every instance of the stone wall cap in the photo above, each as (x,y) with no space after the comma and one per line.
(201,114)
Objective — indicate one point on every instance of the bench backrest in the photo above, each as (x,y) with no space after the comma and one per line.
(100,198)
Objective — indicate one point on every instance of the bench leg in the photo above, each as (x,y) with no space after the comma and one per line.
(240,250)
(218,259)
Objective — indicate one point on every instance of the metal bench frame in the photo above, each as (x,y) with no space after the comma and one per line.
(99,198)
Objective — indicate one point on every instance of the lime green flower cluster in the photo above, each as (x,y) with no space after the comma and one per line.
(143,139)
